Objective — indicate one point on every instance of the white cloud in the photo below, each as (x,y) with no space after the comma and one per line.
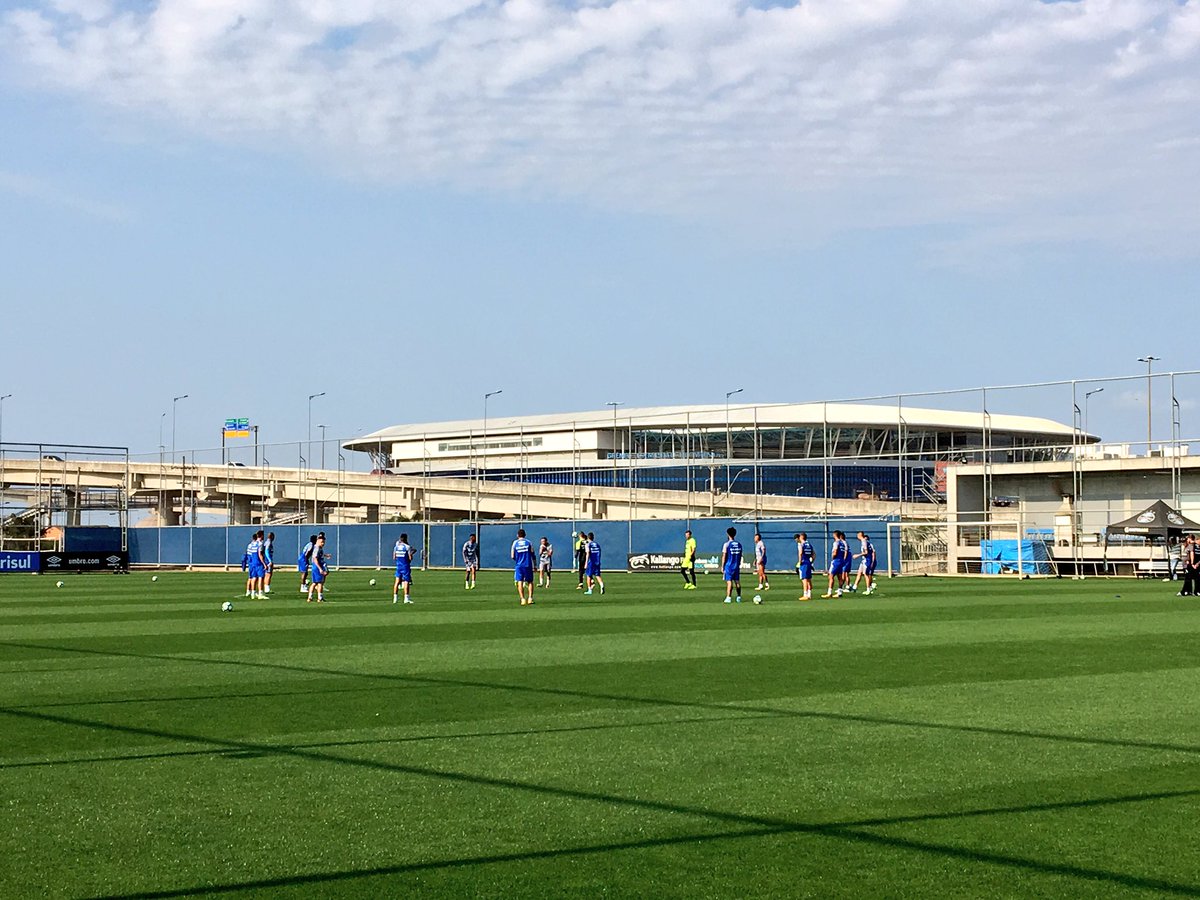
(1033,121)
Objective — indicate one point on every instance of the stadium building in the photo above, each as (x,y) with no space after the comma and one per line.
(834,450)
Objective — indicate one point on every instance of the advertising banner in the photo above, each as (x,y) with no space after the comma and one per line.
(113,561)
(670,562)
(19,561)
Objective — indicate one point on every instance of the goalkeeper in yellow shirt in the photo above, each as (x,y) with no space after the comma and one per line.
(688,565)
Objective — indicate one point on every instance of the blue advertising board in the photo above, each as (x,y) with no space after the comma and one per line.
(20,561)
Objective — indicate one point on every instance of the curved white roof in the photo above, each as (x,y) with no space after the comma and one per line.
(768,415)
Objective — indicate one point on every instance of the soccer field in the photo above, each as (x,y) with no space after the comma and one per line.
(945,737)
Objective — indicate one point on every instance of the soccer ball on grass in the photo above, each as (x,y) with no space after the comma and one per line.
(372,582)
(227,606)
(757,599)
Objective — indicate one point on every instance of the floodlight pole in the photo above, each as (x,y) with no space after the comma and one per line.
(1087,395)
(1149,361)
(2,399)
(174,403)
(728,437)
(311,398)
(483,456)
(614,404)
(322,427)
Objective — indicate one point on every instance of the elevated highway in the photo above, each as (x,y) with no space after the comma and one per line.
(176,493)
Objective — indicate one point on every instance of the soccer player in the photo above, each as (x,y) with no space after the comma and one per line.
(592,560)
(256,566)
(731,566)
(580,557)
(402,553)
(804,563)
(837,562)
(866,565)
(545,562)
(269,556)
(318,569)
(522,558)
(1191,567)
(302,562)
(470,555)
(760,562)
(687,565)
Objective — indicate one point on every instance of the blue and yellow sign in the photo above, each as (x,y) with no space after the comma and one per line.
(237,428)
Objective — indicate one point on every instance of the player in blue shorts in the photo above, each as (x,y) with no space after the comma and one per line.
(318,569)
(303,561)
(522,557)
(256,568)
(470,555)
(760,562)
(731,566)
(269,558)
(838,561)
(402,553)
(591,569)
(866,565)
(804,563)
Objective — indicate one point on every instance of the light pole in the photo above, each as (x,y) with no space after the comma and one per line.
(1085,407)
(322,427)
(1149,361)
(311,398)
(483,455)
(2,399)
(729,486)
(614,404)
(728,438)
(174,403)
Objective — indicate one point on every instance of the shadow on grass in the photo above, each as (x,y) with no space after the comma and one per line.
(747,826)
(433,681)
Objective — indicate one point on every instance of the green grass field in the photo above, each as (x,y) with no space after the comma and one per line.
(946,737)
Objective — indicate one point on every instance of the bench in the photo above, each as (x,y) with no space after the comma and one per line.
(1153,568)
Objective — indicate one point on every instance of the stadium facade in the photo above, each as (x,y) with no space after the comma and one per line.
(835,450)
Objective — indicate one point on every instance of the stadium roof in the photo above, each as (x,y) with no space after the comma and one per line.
(764,415)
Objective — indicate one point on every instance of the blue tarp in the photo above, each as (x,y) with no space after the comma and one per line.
(1027,557)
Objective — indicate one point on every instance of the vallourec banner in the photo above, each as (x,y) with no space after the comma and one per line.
(19,561)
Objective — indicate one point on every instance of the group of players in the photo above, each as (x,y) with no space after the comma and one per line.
(313,565)
(840,564)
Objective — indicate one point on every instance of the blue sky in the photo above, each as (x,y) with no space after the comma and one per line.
(648,202)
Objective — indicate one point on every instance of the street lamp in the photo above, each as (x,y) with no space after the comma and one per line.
(1148,360)
(483,456)
(1085,407)
(728,438)
(173,405)
(322,427)
(2,399)
(311,398)
(614,404)
(729,486)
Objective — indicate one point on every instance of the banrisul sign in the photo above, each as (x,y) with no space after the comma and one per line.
(19,561)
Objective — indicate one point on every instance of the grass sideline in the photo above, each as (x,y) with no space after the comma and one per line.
(946,737)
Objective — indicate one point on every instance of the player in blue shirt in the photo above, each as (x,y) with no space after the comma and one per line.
(269,557)
(302,562)
(402,553)
(866,565)
(470,555)
(839,562)
(522,554)
(731,566)
(256,567)
(318,569)
(591,569)
(805,555)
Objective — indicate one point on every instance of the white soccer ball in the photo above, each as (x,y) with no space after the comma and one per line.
(58,584)
(154,578)
(758,598)
(372,582)
(227,606)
